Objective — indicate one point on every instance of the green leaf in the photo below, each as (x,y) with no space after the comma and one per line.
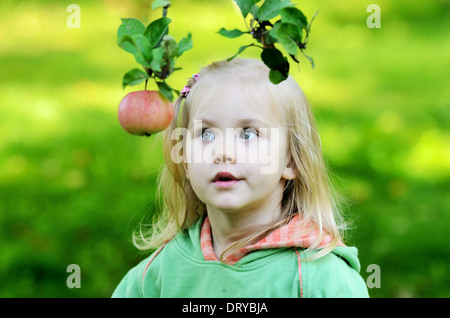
(157,61)
(273,31)
(271,8)
(294,16)
(231,33)
(275,60)
(290,36)
(310,59)
(276,77)
(130,27)
(143,54)
(278,64)
(133,77)
(246,6)
(156,30)
(159,4)
(241,49)
(308,27)
(185,44)
(165,90)
(270,39)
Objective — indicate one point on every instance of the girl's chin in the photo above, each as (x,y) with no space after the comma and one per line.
(225,205)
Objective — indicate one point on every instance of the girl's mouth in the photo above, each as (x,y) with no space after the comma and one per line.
(225,180)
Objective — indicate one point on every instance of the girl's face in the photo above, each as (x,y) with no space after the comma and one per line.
(238,153)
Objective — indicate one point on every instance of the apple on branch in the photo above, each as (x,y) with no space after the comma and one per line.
(145,112)
(149,111)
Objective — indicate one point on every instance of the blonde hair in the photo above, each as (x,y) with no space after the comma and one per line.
(310,194)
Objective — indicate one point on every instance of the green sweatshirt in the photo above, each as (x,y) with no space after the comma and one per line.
(179,270)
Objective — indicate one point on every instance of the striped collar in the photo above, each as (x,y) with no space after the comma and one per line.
(289,235)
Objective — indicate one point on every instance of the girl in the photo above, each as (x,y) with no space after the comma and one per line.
(248,208)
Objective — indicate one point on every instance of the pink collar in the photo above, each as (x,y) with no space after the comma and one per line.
(288,235)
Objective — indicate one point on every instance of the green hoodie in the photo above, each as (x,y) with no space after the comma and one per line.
(179,270)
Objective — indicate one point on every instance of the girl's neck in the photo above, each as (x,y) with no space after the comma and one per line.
(227,227)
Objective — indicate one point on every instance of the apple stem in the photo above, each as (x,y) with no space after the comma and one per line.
(146,84)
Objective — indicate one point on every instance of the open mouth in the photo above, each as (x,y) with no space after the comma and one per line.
(225,180)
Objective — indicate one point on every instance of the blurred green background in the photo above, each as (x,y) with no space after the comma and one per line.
(73,184)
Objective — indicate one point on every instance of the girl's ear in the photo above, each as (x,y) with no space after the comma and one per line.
(289,172)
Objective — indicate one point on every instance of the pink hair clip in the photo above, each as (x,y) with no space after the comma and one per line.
(185,91)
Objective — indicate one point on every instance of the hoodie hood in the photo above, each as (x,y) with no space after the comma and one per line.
(293,234)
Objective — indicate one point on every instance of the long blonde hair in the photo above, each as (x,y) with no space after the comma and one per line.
(310,194)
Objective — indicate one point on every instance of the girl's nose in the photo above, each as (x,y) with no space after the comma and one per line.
(224,158)
(225,151)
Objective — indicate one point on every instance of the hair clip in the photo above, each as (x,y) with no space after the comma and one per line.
(185,91)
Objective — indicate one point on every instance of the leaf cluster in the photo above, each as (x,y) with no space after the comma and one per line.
(274,22)
(153,48)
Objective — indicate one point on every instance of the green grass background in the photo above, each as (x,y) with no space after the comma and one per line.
(73,184)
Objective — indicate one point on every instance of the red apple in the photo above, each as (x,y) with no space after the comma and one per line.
(145,112)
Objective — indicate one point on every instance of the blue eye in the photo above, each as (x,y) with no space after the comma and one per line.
(249,133)
(207,134)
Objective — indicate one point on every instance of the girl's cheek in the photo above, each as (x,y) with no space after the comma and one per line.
(264,152)
(207,151)
(201,151)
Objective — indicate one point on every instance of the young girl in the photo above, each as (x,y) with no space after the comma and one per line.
(248,207)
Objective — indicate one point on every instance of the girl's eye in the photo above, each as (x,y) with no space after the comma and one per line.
(207,134)
(249,133)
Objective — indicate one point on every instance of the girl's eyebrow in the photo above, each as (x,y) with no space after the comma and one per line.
(257,123)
